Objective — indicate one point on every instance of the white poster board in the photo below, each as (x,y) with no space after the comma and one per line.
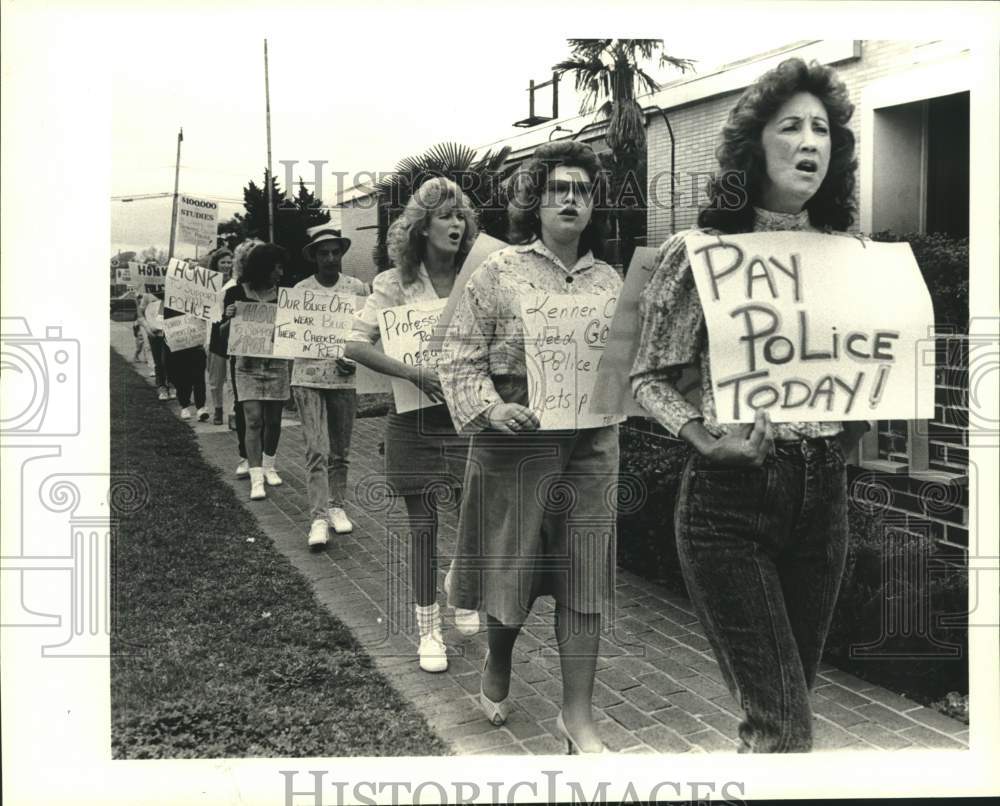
(313,324)
(564,340)
(251,330)
(406,333)
(814,327)
(194,290)
(152,275)
(484,246)
(613,390)
(184,332)
(197,220)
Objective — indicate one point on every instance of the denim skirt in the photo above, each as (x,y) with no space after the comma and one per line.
(538,518)
(423,453)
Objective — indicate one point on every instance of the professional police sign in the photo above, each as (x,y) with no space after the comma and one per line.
(197,221)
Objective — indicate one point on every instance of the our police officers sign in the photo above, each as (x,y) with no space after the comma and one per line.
(197,221)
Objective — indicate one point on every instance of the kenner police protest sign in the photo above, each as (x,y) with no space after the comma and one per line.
(406,334)
(194,290)
(814,327)
(251,330)
(564,340)
(313,324)
(197,220)
(183,332)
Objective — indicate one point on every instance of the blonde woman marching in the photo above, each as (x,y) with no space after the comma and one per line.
(428,243)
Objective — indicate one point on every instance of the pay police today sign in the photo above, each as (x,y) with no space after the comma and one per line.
(814,327)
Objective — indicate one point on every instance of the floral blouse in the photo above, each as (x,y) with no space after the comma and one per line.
(673,335)
(485,336)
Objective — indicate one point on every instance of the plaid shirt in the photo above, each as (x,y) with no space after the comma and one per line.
(486,337)
(672,335)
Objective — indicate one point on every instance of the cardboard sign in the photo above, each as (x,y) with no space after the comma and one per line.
(613,390)
(320,374)
(123,276)
(483,247)
(251,331)
(814,327)
(154,315)
(197,221)
(184,332)
(194,290)
(406,333)
(564,340)
(152,275)
(313,324)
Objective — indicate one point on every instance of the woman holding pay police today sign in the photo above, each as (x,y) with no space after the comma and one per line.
(762,509)
(538,509)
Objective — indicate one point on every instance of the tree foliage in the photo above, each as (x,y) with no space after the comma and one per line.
(480,178)
(292,217)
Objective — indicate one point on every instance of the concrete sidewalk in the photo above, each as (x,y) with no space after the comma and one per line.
(658,689)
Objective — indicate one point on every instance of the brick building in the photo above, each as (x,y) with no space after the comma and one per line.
(912,126)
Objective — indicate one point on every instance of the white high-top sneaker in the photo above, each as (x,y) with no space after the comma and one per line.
(270,473)
(432,652)
(257,491)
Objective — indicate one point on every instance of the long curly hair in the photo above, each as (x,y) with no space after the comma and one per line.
(526,186)
(260,262)
(240,254)
(737,185)
(406,242)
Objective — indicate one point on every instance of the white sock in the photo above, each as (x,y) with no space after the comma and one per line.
(428,619)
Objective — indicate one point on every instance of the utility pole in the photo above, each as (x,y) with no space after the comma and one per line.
(267,183)
(177,175)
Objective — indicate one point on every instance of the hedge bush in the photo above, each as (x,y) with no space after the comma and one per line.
(944,263)
(647,546)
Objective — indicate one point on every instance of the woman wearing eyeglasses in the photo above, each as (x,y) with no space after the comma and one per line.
(526,488)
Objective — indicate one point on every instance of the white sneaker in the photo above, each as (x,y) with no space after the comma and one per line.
(318,533)
(243,469)
(433,653)
(163,394)
(257,491)
(203,415)
(467,621)
(186,413)
(339,521)
(173,394)
(270,472)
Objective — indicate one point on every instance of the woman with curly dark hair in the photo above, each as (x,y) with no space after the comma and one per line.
(261,384)
(761,517)
(526,490)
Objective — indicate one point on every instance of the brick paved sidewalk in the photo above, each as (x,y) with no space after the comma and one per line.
(658,688)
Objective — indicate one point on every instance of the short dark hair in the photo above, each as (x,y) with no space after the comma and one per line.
(741,155)
(261,262)
(524,224)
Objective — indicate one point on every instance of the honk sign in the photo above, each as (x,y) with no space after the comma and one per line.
(814,327)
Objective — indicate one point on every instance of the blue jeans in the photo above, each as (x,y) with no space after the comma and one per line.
(327,417)
(762,551)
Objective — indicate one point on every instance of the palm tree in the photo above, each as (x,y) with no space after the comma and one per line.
(480,178)
(610,74)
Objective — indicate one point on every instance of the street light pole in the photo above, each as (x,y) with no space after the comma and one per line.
(177,175)
(267,183)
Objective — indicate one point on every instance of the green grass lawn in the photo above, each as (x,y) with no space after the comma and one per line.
(229,652)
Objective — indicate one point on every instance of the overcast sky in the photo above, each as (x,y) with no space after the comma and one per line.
(345,88)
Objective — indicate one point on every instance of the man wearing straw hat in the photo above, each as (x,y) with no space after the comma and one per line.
(325,396)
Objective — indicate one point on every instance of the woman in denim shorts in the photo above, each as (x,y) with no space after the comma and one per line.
(761,518)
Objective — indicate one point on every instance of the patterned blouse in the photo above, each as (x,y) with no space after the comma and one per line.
(388,291)
(486,338)
(673,335)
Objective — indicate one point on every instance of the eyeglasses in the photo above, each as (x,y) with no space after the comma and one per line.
(559,188)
